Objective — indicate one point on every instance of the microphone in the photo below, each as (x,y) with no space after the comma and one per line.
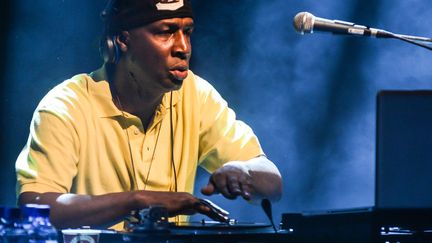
(306,23)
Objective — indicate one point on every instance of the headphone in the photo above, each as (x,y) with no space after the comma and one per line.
(109,49)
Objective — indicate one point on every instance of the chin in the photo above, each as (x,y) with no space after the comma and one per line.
(173,84)
(178,82)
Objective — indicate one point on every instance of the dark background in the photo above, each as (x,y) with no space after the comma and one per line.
(310,99)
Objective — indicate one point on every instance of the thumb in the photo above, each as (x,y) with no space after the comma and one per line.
(209,189)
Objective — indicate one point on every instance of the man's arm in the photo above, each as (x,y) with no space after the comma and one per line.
(72,210)
(254,179)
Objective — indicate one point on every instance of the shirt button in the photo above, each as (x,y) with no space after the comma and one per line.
(136,131)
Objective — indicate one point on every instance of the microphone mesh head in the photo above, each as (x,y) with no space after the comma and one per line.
(303,22)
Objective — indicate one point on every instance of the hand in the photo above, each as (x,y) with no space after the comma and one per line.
(231,180)
(175,202)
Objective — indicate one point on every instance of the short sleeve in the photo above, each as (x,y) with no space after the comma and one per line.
(48,161)
(223,138)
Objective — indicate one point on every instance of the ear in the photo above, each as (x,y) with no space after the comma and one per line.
(122,40)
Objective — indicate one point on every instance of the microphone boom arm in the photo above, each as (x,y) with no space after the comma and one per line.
(415,38)
(411,41)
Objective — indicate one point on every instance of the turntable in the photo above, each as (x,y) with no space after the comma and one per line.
(152,225)
(210,231)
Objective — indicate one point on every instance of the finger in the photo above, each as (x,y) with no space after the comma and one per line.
(203,209)
(211,213)
(246,191)
(234,186)
(222,187)
(219,181)
(180,203)
(209,189)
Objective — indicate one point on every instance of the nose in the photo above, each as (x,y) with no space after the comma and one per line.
(182,46)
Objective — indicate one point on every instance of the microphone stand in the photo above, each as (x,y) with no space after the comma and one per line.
(410,40)
(415,40)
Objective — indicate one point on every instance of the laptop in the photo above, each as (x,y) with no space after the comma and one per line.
(403,178)
(403,164)
(404,150)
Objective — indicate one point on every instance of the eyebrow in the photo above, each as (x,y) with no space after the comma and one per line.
(170,23)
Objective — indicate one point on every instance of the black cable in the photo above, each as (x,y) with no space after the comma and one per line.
(411,41)
(267,207)
(172,143)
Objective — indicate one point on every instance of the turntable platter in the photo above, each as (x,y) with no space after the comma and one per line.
(217,225)
(213,227)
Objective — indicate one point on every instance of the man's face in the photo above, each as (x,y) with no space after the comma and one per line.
(158,53)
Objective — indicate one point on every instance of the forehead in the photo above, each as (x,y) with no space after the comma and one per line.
(180,22)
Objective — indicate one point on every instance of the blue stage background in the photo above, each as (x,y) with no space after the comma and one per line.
(310,99)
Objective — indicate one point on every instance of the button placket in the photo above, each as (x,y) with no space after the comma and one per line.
(148,146)
(136,140)
(136,131)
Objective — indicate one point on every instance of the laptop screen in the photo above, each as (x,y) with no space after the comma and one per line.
(404,149)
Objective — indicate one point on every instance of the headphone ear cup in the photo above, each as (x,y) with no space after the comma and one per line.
(109,50)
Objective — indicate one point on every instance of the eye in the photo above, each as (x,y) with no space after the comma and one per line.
(188,31)
(165,32)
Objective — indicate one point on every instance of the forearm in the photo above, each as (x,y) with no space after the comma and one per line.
(72,210)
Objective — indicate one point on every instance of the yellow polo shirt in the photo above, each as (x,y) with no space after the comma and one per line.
(80,142)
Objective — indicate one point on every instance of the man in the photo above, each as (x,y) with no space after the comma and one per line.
(131,134)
